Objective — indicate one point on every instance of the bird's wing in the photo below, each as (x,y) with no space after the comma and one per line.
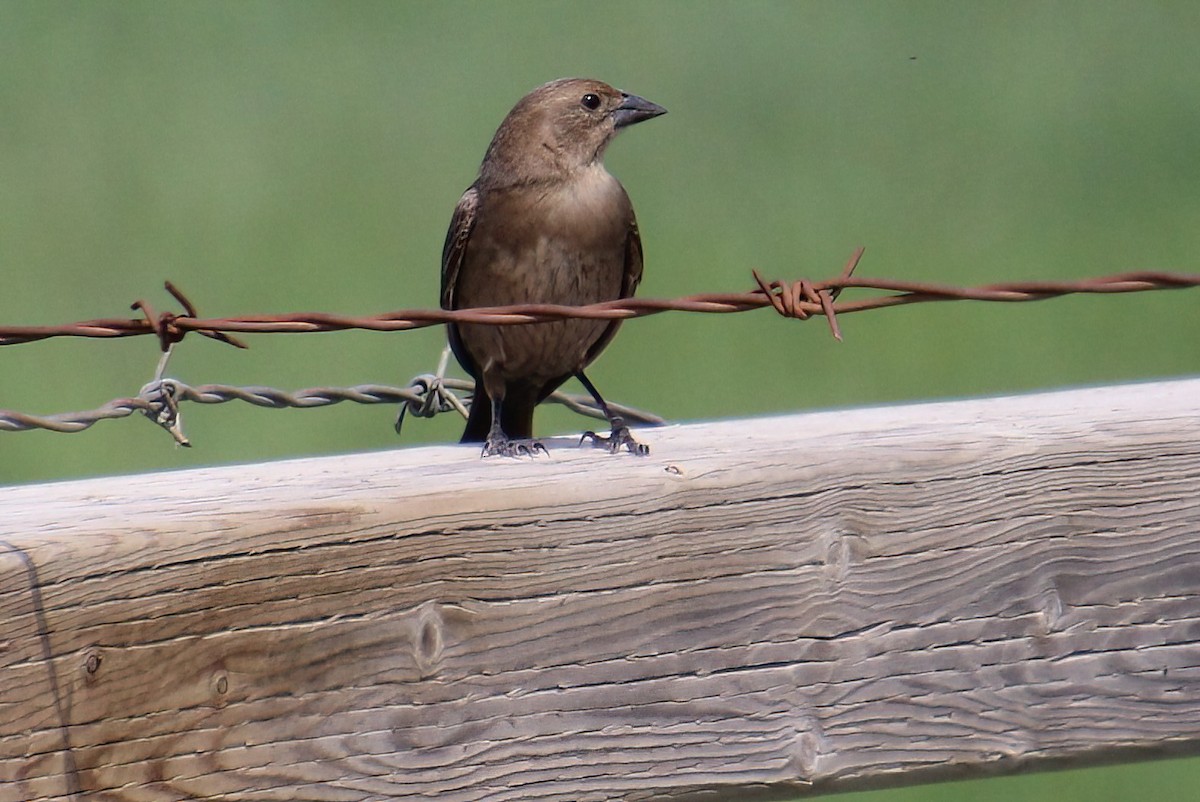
(456,244)
(629,283)
(453,253)
(633,259)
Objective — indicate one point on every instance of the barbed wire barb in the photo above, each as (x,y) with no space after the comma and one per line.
(162,399)
(436,397)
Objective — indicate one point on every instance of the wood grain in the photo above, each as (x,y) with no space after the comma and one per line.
(761,608)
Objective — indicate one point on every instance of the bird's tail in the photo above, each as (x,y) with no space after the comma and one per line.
(516,414)
(479,419)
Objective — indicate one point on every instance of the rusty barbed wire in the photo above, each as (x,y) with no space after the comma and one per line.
(795,299)
(425,396)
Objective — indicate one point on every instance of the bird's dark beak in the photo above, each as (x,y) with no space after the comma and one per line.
(634,109)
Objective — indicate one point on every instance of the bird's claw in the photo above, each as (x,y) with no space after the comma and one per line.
(619,438)
(504,447)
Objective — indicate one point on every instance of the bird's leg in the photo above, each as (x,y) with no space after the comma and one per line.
(499,444)
(619,436)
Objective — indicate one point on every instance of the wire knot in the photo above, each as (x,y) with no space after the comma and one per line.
(801,299)
(166,326)
(433,397)
(162,406)
(792,299)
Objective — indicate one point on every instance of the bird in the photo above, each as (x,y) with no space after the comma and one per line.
(544,222)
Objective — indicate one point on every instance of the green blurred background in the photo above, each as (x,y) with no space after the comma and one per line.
(276,157)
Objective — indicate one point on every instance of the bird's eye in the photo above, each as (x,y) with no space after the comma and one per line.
(590,101)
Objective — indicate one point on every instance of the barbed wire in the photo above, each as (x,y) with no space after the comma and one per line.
(431,394)
(794,299)
(425,396)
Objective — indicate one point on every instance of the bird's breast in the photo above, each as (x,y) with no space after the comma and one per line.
(564,243)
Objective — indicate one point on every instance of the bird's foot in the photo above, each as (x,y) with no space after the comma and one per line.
(619,438)
(502,446)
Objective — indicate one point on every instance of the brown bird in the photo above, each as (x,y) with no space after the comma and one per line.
(543,223)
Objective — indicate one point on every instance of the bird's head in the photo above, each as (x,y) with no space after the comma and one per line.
(561,127)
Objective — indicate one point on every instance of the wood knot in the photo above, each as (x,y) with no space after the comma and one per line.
(219,683)
(92,659)
(428,639)
(842,550)
(808,748)
(1051,609)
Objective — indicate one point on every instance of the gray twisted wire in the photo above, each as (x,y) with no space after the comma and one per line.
(425,396)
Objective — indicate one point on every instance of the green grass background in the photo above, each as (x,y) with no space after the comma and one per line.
(276,157)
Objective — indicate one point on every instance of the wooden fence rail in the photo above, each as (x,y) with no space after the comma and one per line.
(762,608)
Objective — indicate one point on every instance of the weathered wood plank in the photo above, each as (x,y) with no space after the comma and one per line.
(808,602)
